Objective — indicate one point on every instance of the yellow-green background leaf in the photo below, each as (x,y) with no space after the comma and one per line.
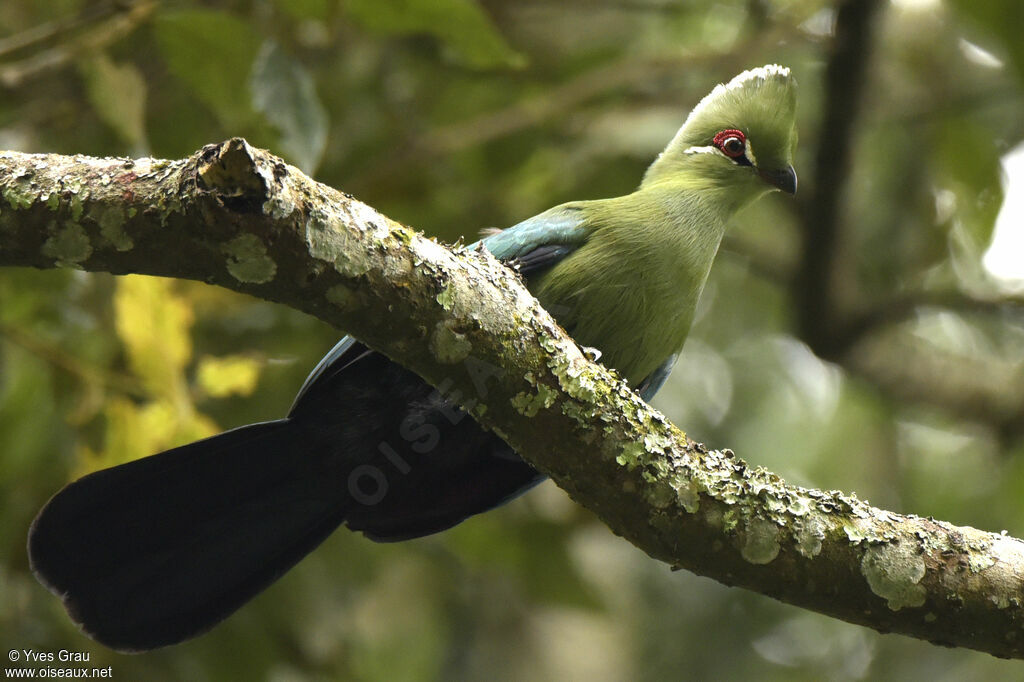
(230,375)
(154,325)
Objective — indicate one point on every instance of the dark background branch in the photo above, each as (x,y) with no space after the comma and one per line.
(817,303)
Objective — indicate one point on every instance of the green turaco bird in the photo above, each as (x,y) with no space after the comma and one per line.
(158,550)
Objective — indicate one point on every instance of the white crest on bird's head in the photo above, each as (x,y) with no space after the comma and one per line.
(760,73)
(758,104)
(761,102)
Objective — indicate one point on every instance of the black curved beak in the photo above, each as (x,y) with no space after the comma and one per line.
(784,179)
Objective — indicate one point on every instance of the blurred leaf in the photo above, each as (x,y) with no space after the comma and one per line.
(283,91)
(970,161)
(229,375)
(28,294)
(397,624)
(459,24)
(1004,20)
(212,52)
(134,431)
(306,9)
(26,409)
(118,94)
(125,438)
(536,552)
(154,325)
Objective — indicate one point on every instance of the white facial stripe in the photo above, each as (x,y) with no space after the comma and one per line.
(749,153)
(711,149)
(703,150)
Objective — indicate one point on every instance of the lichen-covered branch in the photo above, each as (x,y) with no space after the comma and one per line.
(238,217)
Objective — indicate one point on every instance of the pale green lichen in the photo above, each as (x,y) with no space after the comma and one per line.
(343,241)
(590,391)
(280,205)
(575,411)
(808,534)
(547,342)
(1008,551)
(859,530)
(656,442)
(982,554)
(580,381)
(68,245)
(979,561)
(397,265)
(19,195)
(761,542)
(111,220)
(447,297)
(529,404)
(687,493)
(248,260)
(341,296)
(894,571)
(77,207)
(713,518)
(730,520)
(630,456)
(720,479)
(335,246)
(798,505)
(660,495)
(168,206)
(448,345)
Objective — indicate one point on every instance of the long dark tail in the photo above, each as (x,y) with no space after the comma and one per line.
(161,549)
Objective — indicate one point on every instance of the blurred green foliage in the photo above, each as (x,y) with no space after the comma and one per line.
(457,115)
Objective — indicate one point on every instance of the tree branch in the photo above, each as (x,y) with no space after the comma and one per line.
(814,287)
(93,28)
(238,217)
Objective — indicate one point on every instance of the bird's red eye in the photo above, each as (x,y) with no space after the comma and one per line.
(733,143)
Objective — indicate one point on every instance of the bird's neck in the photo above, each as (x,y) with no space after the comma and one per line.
(631,290)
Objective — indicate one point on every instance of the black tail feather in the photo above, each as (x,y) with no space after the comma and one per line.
(158,550)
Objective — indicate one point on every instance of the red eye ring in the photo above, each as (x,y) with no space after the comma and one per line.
(732,143)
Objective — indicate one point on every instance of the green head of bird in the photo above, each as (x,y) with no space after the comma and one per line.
(738,142)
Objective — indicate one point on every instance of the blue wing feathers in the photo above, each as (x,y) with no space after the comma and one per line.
(332,363)
(653,383)
(562,225)
(535,243)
